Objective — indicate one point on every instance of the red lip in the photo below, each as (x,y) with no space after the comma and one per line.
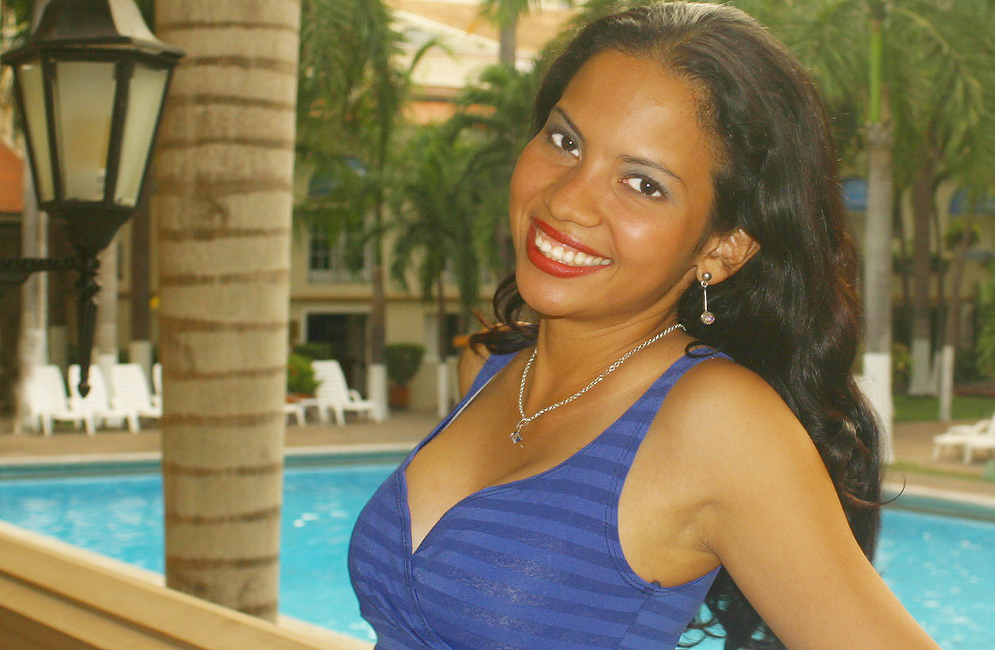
(553,267)
(563,238)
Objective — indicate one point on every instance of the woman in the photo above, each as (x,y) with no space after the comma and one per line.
(679,424)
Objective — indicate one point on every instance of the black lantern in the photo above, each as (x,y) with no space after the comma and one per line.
(90,82)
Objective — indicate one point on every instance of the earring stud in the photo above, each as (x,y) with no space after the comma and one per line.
(707,317)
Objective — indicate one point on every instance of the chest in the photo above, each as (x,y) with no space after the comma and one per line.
(475,452)
(516,564)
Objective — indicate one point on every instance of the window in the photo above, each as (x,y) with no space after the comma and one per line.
(327,263)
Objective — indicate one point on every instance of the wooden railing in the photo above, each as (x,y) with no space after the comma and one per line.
(55,596)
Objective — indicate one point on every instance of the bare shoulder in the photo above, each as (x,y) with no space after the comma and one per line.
(470,363)
(733,427)
(767,510)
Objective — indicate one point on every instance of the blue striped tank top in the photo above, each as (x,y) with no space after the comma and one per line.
(531,564)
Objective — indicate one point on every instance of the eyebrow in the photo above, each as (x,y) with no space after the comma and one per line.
(654,165)
(566,118)
(632,160)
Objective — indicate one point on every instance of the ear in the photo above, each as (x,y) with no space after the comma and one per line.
(726,254)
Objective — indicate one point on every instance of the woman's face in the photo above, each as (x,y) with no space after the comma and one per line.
(611,198)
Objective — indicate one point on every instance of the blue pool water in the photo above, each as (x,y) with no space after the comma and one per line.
(941,568)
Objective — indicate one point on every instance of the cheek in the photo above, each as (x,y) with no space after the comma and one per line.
(525,185)
(660,245)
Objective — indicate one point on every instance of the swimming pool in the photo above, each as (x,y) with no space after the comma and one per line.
(940,567)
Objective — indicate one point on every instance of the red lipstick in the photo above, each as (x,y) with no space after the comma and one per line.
(552,267)
(563,238)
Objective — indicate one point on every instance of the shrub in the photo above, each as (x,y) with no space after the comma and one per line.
(300,375)
(403,361)
(901,367)
(314,351)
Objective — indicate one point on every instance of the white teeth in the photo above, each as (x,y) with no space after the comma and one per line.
(565,255)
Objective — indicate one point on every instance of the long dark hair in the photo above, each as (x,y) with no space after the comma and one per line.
(790,314)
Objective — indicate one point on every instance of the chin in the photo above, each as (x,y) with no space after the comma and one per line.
(549,301)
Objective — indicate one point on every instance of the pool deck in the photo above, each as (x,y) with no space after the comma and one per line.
(944,478)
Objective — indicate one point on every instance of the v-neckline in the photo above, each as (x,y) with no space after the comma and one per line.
(403,503)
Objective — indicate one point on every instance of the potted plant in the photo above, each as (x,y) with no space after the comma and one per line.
(300,377)
(403,361)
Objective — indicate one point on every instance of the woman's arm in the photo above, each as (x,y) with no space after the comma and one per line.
(470,362)
(774,521)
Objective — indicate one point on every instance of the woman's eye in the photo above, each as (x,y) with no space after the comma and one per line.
(564,142)
(644,186)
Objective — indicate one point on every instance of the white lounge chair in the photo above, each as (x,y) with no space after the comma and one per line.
(46,400)
(296,411)
(98,400)
(969,437)
(157,384)
(334,395)
(985,441)
(130,391)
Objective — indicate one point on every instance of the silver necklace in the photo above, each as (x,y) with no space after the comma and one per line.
(516,435)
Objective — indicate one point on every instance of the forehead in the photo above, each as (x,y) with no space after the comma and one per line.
(633,102)
(620,81)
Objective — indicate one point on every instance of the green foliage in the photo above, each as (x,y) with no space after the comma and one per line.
(495,122)
(450,196)
(985,344)
(314,351)
(966,367)
(434,214)
(924,409)
(901,367)
(300,375)
(350,92)
(403,361)
(955,232)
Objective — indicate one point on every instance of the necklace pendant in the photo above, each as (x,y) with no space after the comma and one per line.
(516,438)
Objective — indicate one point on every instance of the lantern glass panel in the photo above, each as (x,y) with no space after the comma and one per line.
(32,87)
(148,85)
(84,106)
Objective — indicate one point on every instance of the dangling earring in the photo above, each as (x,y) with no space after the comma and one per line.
(707,317)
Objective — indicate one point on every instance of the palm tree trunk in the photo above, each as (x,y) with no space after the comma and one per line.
(32,343)
(903,256)
(140,344)
(225,179)
(508,44)
(442,375)
(877,246)
(922,198)
(376,377)
(878,279)
(952,329)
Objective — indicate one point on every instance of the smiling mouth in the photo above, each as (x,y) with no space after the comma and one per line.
(564,254)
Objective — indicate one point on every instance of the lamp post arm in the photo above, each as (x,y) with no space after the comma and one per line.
(86,316)
(15,271)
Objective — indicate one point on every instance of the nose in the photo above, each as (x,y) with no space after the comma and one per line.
(572,197)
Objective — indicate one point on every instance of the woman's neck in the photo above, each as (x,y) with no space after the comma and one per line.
(569,355)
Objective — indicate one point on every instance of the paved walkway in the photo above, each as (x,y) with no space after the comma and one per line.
(913,447)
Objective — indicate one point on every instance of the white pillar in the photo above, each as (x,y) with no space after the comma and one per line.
(32,347)
(376,387)
(876,385)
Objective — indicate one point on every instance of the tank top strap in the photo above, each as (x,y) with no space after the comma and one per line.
(491,366)
(628,431)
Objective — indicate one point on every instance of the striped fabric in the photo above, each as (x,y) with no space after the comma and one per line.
(533,564)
